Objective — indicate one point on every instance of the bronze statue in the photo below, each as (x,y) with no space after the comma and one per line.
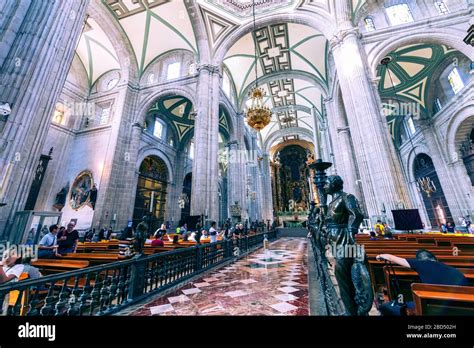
(141,233)
(340,223)
(61,196)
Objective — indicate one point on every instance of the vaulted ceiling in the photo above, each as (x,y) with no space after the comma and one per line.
(286,51)
(408,77)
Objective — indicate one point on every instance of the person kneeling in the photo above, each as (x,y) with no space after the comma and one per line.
(430,271)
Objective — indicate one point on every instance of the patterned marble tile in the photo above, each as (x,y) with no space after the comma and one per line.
(283,307)
(191,291)
(180,298)
(288,289)
(161,309)
(248,281)
(273,282)
(236,293)
(290,283)
(285,297)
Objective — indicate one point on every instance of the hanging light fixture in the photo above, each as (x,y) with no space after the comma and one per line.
(258,115)
(423,184)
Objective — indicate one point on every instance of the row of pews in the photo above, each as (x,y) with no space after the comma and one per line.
(454,250)
(97,253)
(89,254)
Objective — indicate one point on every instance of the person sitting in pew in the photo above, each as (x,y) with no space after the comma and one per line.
(158,241)
(192,237)
(430,271)
(12,266)
(67,240)
(175,239)
(373,236)
(33,272)
(48,246)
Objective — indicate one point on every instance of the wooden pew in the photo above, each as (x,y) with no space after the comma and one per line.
(378,278)
(59,265)
(407,276)
(443,299)
(93,258)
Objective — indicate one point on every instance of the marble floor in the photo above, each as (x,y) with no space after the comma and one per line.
(272,282)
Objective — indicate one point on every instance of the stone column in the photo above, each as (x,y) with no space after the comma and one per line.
(382,183)
(175,189)
(119,177)
(346,165)
(266,184)
(37,47)
(233,173)
(204,197)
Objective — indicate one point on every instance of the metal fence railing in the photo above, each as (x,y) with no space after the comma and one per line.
(108,288)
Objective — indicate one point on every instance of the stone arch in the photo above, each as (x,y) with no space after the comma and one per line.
(453,137)
(154,151)
(284,132)
(448,36)
(173,89)
(121,43)
(410,159)
(317,19)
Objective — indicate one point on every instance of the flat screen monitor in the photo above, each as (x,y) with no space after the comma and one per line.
(407,219)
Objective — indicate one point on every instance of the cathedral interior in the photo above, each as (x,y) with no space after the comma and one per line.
(177,111)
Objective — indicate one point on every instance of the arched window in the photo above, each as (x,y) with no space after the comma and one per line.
(411,125)
(158,128)
(174,71)
(441,7)
(399,14)
(191,149)
(369,24)
(455,80)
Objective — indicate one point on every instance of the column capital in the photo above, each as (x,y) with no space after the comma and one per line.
(343,129)
(211,68)
(339,37)
(232,144)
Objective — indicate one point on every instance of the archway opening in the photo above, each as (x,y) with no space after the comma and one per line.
(185,198)
(152,186)
(435,202)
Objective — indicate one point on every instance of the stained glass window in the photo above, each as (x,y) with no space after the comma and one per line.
(455,80)
(173,71)
(369,24)
(399,14)
(441,7)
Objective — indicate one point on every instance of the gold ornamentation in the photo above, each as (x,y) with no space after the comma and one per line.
(258,115)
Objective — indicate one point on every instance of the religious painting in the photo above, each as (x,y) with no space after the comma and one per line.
(80,190)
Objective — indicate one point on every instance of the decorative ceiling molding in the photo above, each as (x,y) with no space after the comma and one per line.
(154,28)
(217,27)
(123,10)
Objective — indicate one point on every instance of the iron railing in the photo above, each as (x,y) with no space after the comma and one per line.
(332,300)
(106,289)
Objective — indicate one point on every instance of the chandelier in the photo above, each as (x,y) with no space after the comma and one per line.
(426,185)
(258,115)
